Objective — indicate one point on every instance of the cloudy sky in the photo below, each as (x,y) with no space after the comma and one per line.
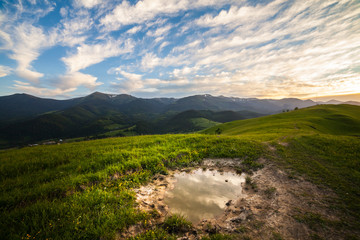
(153,48)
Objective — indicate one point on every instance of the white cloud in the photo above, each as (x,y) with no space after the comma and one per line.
(184,71)
(162,45)
(131,76)
(87,55)
(30,75)
(4,71)
(87,3)
(76,79)
(270,47)
(61,85)
(295,53)
(74,31)
(131,83)
(27,43)
(236,16)
(159,32)
(63,12)
(39,91)
(5,40)
(150,61)
(134,30)
(135,83)
(145,10)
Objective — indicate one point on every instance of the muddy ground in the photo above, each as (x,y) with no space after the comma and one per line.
(277,206)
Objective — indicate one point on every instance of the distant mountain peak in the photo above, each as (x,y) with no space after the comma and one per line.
(98,94)
(333,101)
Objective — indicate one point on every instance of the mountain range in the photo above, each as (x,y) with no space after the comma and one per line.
(26,119)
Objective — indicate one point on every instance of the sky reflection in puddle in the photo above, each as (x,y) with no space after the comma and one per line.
(203,194)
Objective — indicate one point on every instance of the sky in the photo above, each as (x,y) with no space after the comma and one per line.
(177,48)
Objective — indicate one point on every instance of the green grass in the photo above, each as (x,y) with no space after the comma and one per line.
(70,191)
(203,123)
(151,234)
(322,119)
(84,190)
(321,143)
(330,160)
(177,224)
(218,236)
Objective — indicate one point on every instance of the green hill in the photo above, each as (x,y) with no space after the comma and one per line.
(196,120)
(321,143)
(85,190)
(325,119)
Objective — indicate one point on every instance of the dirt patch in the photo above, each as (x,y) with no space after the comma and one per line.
(276,206)
(273,207)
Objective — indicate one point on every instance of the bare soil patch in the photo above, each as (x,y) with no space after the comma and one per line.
(276,206)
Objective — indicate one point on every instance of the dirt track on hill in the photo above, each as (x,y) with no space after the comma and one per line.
(277,206)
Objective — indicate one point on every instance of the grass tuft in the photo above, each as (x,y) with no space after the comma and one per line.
(176,224)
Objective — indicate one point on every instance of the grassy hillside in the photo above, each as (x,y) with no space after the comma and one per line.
(321,142)
(84,190)
(322,119)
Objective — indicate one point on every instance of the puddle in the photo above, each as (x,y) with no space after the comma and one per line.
(202,194)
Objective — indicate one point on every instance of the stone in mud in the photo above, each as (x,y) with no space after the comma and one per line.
(241,218)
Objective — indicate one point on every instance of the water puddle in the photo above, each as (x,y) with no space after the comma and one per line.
(203,194)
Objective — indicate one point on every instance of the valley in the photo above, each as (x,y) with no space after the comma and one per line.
(26,119)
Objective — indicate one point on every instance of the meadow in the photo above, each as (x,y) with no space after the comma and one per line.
(84,190)
(70,191)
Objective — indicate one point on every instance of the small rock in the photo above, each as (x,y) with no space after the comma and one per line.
(242,217)
(228,203)
(235,219)
(226,180)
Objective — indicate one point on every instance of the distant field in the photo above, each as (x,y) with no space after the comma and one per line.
(83,190)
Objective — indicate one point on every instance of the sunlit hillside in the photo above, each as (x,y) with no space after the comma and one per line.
(84,190)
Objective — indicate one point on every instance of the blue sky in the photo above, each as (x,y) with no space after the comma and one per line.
(176,48)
